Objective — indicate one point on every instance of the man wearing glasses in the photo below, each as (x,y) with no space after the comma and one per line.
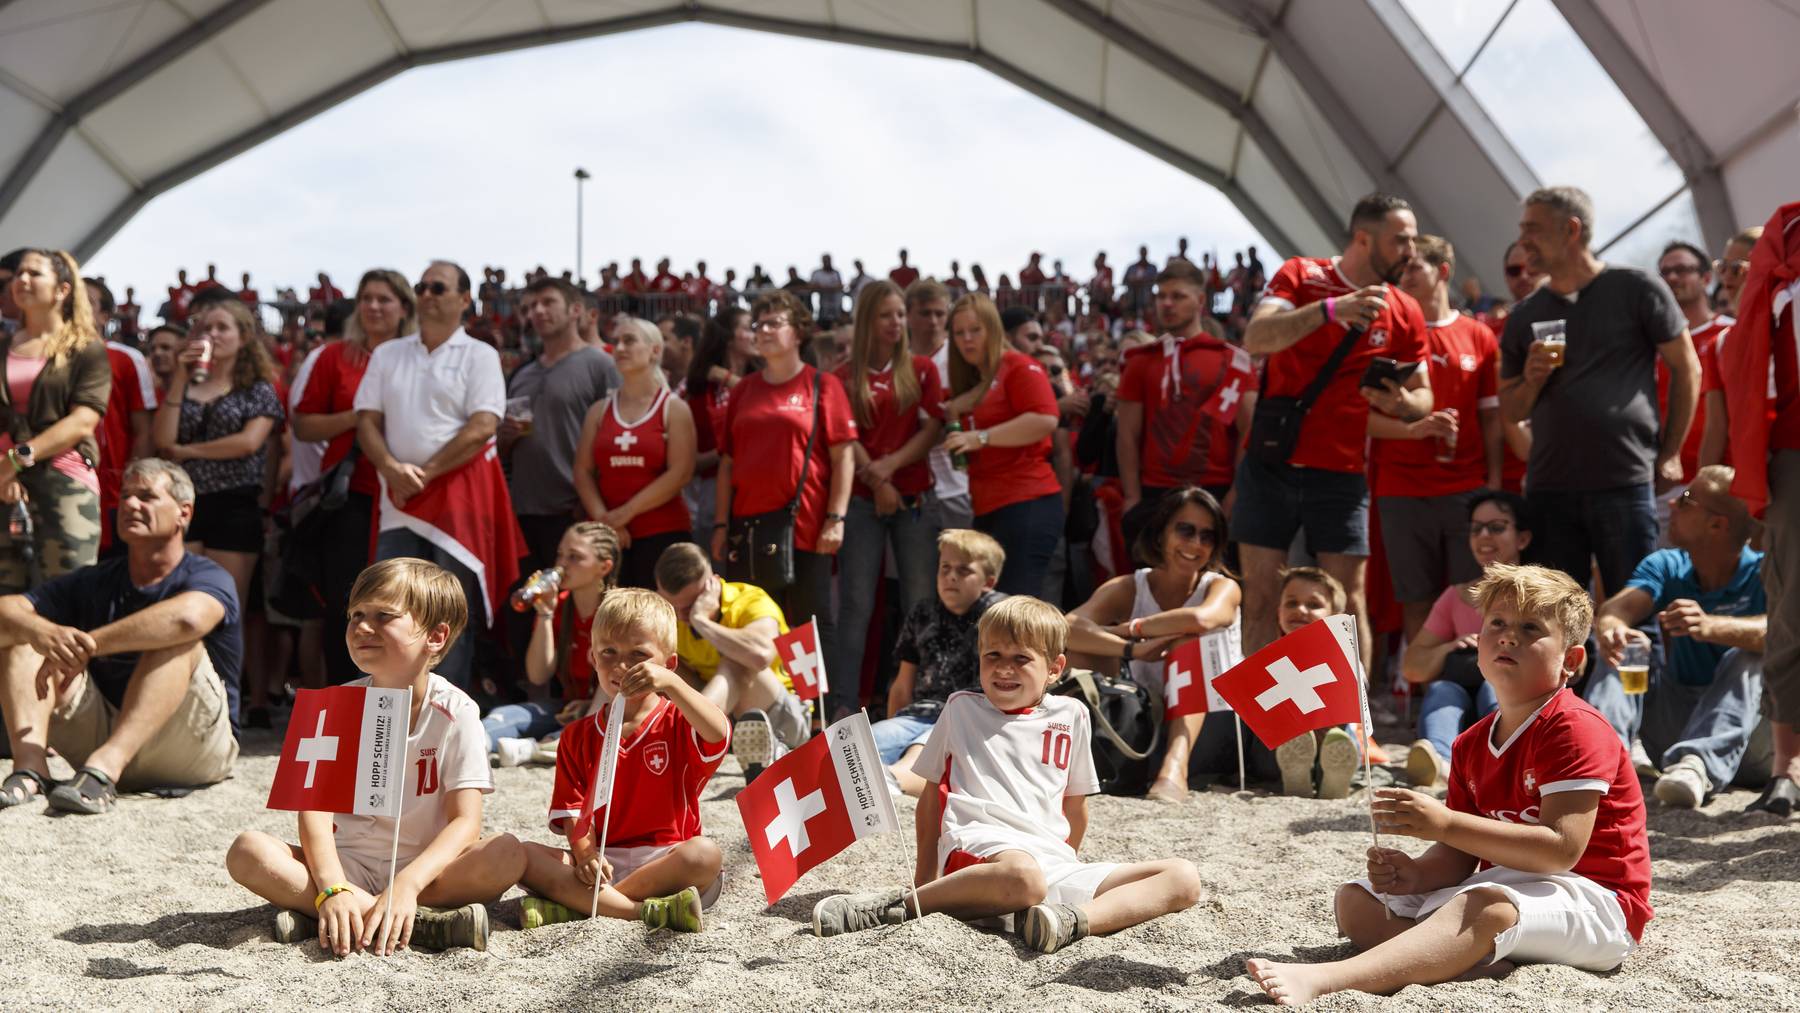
(1685,270)
(1732,267)
(1701,713)
(427,412)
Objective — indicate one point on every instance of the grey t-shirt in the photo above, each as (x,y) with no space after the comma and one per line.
(1596,422)
(542,479)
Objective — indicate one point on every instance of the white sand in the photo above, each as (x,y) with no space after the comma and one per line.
(134,909)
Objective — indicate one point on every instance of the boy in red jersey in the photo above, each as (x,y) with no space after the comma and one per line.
(1540,851)
(653,866)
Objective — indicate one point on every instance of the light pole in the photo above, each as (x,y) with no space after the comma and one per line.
(581,176)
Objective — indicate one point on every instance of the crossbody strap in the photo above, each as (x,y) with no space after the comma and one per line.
(1326,372)
(793,507)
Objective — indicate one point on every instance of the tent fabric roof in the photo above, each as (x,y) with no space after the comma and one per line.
(1292,108)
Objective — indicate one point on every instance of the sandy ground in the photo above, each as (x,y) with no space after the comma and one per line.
(134,909)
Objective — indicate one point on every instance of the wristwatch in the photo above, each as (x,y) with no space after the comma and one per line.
(27,457)
(981,435)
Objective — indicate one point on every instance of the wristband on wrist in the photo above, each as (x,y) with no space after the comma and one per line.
(1330,310)
(1137,627)
(328,893)
(834,517)
(1125,655)
(12,458)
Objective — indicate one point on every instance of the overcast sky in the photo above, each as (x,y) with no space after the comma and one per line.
(697,151)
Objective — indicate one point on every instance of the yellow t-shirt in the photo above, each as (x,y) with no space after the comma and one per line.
(739,606)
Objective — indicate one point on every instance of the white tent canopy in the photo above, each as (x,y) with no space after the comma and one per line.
(1292,108)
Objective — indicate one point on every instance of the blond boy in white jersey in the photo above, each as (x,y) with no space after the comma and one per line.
(404,614)
(1019,769)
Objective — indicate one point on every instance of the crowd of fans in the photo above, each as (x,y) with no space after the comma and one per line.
(1187,448)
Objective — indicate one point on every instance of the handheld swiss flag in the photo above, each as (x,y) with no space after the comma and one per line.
(1190,671)
(345,752)
(1308,679)
(815,802)
(599,796)
(805,663)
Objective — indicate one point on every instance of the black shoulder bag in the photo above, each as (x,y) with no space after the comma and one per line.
(761,546)
(1127,727)
(1275,424)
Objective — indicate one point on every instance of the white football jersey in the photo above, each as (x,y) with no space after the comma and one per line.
(1002,777)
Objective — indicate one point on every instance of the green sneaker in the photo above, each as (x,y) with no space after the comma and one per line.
(294,927)
(1050,927)
(537,912)
(438,929)
(677,912)
(1338,760)
(854,912)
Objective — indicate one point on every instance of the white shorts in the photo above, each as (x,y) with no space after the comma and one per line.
(626,861)
(1563,918)
(1066,881)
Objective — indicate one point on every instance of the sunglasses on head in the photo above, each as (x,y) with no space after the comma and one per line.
(434,287)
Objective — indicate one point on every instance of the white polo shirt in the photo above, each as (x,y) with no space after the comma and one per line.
(426,397)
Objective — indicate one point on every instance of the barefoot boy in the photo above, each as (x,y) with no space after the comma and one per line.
(1540,852)
(1018,770)
(1321,762)
(404,615)
(654,866)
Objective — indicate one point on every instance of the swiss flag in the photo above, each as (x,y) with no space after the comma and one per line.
(1191,671)
(815,802)
(1308,679)
(1240,379)
(345,752)
(800,655)
(468,513)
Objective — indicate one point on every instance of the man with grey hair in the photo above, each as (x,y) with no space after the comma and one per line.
(427,411)
(127,668)
(1578,359)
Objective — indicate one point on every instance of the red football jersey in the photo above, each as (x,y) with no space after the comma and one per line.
(765,436)
(1784,370)
(628,457)
(656,785)
(1332,436)
(1705,337)
(133,390)
(1002,476)
(890,428)
(1566,746)
(331,388)
(1181,443)
(580,682)
(1463,360)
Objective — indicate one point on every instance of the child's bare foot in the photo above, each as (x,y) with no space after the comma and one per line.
(1287,984)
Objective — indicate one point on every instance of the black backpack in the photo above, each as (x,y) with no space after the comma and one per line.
(1127,728)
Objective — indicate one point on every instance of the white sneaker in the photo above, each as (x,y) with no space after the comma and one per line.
(1640,760)
(1296,758)
(515,752)
(1423,765)
(1684,785)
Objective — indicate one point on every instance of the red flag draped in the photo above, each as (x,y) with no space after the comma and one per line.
(1748,359)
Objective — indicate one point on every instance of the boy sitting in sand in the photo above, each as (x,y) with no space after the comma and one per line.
(1320,763)
(404,615)
(653,866)
(1018,769)
(1540,852)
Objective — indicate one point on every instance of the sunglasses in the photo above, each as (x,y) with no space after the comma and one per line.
(1688,499)
(1206,536)
(435,288)
(1677,270)
(1733,266)
(1515,270)
(1479,528)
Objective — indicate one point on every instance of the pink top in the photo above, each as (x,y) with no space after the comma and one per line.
(1452,618)
(21,373)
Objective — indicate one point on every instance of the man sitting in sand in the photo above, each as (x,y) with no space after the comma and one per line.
(127,668)
(1540,852)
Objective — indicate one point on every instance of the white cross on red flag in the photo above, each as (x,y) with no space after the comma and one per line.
(805,663)
(1308,679)
(1240,379)
(814,802)
(345,752)
(1190,671)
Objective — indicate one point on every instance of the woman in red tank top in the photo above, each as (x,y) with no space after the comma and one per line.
(636,452)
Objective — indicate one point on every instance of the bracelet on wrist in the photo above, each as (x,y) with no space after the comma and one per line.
(1330,304)
(1137,627)
(835,517)
(328,893)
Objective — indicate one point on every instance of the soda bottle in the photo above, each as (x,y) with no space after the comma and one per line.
(958,460)
(542,583)
(1446,445)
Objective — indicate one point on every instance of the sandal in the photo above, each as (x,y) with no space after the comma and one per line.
(13,790)
(90,793)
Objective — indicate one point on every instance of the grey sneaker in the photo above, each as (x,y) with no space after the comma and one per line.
(1684,785)
(854,912)
(1296,757)
(438,929)
(1050,927)
(294,927)
(789,720)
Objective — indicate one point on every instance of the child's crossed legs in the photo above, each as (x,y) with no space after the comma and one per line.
(550,872)
(1013,880)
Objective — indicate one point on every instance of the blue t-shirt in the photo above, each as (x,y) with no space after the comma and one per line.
(94,596)
(1668,574)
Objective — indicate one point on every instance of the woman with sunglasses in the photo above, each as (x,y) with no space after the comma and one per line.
(57,384)
(325,411)
(898,401)
(1184,592)
(727,354)
(1007,410)
(1442,657)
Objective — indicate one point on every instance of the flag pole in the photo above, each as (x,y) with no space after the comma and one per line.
(1239,722)
(1368,736)
(399,804)
(912,862)
(605,821)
